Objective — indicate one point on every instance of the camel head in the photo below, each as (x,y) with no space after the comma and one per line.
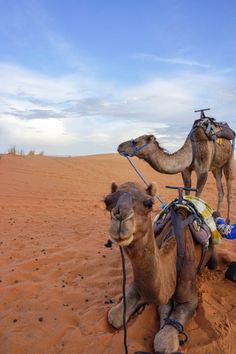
(138,146)
(130,206)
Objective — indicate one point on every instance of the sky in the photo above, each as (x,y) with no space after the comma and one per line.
(79,77)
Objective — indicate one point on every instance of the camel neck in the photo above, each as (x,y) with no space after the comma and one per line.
(150,276)
(170,163)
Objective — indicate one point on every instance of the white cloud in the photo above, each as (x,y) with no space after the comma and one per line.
(174,61)
(35,131)
(76,114)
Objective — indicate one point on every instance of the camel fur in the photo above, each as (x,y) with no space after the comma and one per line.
(154,266)
(198,153)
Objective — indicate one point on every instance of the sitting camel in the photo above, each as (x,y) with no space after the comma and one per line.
(157,279)
(198,153)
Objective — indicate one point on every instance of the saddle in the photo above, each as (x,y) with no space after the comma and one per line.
(214,130)
(200,220)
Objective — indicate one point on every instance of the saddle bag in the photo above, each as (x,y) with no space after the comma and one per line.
(225,131)
(200,231)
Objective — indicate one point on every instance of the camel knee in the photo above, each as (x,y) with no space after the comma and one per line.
(221,195)
(133,304)
(115,316)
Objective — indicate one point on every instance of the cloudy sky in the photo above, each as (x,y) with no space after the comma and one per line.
(80,76)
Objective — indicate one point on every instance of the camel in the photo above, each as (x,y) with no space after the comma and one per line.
(156,280)
(198,153)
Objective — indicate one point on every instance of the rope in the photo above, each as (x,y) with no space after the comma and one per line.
(145,182)
(124,298)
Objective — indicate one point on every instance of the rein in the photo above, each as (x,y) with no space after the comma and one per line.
(142,178)
(124,298)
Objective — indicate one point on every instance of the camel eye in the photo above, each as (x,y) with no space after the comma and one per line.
(148,203)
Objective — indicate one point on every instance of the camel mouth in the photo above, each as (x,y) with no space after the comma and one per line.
(123,152)
(122,242)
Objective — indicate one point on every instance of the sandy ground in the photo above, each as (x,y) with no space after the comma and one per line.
(57,280)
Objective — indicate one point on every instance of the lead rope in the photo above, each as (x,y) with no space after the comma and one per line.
(124,298)
(142,178)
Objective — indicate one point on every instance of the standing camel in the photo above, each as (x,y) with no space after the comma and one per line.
(198,153)
(157,279)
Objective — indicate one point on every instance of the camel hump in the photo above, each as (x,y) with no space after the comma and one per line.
(214,129)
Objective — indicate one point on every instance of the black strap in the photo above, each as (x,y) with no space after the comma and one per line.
(176,222)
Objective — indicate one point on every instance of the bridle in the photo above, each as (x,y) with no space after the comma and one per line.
(135,149)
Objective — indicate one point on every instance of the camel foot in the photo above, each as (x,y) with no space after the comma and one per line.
(166,341)
(115,316)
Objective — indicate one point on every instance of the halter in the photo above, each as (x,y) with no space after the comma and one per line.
(135,149)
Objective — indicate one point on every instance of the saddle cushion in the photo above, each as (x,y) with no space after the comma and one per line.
(200,232)
(203,226)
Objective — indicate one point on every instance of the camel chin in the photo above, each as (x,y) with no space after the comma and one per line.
(125,242)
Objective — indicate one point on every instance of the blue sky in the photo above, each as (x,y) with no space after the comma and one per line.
(79,77)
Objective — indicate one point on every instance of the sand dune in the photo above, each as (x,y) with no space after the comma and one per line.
(57,280)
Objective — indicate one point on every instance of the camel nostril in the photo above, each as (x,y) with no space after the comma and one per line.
(116,214)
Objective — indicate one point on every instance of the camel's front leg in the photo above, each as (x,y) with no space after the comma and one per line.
(186,176)
(218,176)
(164,312)
(228,172)
(201,181)
(133,303)
(167,339)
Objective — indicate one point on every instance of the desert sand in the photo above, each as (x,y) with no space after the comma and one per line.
(57,280)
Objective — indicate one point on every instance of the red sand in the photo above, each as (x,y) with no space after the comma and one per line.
(57,278)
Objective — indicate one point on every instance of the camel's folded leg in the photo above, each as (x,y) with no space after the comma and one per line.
(164,312)
(133,303)
(167,339)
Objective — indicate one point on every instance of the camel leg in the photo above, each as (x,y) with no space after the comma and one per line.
(228,172)
(164,311)
(167,339)
(133,303)
(201,181)
(185,303)
(218,176)
(186,176)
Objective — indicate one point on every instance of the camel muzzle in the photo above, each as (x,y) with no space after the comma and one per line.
(121,227)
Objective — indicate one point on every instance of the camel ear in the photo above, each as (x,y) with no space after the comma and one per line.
(108,202)
(152,189)
(150,138)
(113,187)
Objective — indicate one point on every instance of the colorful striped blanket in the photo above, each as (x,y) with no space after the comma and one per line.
(206,212)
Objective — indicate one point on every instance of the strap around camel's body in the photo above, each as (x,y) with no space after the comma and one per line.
(170,214)
(203,219)
(178,226)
